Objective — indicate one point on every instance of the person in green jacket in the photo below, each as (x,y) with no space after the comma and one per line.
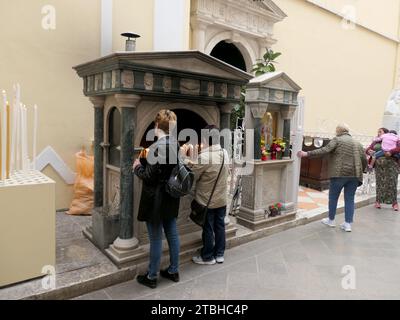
(347,164)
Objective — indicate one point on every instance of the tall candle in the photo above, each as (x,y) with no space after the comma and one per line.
(14,115)
(8,141)
(18,137)
(26,158)
(4,135)
(1,148)
(35,125)
(24,142)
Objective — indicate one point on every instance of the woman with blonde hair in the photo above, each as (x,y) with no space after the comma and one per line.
(157,207)
(346,166)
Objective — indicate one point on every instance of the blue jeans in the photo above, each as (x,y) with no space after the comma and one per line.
(350,185)
(156,235)
(379,154)
(214,234)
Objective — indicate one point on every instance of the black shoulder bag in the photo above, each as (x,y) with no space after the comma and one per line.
(199,212)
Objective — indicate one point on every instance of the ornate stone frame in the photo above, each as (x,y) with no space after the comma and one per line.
(245,23)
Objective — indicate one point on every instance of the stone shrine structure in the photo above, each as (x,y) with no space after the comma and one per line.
(127,90)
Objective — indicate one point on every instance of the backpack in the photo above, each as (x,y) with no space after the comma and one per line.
(180,181)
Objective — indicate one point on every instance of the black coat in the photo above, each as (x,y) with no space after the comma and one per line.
(155,203)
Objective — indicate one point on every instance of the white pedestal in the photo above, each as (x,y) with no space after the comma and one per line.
(27,227)
(270,183)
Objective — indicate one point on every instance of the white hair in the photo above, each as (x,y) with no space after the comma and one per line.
(342,128)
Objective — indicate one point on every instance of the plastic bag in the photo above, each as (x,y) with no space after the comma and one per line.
(83,200)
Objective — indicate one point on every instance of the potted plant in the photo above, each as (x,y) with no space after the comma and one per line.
(264,153)
(275,210)
(277,149)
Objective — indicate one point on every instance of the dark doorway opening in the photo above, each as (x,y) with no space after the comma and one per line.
(229,53)
(186,120)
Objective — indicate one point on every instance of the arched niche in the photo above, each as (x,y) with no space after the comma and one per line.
(240,43)
(208,114)
(187,119)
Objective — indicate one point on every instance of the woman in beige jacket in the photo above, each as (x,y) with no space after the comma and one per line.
(206,169)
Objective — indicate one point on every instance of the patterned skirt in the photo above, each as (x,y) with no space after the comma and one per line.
(386,173)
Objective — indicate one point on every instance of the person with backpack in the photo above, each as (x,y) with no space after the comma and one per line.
(158,208)
(211,173)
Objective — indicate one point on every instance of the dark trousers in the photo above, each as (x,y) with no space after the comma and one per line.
(214,234)
(350,185)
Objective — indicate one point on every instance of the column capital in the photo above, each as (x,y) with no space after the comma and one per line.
(97,101)
(226,107)
(198,24)
(127,100)
(258,110)
(287,112)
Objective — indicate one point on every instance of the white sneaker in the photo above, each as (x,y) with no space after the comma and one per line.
(219,259)
(328,222)
(199,260)
(346,226)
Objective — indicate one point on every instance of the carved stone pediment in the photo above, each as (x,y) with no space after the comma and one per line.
(247,24)
(274,87)
(255,17)
(275,80)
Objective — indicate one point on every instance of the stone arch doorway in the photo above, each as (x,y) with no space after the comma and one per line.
(229,53)
(186,119)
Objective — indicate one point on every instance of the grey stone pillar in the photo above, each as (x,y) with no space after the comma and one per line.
(286,137)
(199,34)
(98,103)
(258,110)
(225,119)
(287,113)
(225,123)
(127,103)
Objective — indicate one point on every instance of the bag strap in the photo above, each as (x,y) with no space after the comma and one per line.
(216,181)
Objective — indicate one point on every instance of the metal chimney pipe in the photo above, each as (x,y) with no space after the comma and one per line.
(130,44)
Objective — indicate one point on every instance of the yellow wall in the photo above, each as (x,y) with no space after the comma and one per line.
(42,60)
(346,75)
(382,16)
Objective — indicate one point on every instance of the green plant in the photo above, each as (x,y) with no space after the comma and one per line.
(267,64)
(238,109)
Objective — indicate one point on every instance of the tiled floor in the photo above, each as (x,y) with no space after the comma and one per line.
(310,199)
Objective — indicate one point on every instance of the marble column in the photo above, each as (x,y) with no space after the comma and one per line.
(258,111)
(199,35)
(127,103)
(286,137)
(225,119)
(287,113)
(98,103)
(225,123)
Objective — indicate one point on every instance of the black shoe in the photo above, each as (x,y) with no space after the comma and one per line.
(171,276)
(144,280)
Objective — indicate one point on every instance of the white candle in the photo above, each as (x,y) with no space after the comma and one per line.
(4,135)
(35,125)
(24,140)
(18,137)
(14,115)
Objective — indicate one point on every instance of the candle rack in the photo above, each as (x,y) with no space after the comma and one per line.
(14,148)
